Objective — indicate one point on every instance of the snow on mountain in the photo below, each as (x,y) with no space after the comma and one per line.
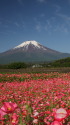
(27,43)
(30,51)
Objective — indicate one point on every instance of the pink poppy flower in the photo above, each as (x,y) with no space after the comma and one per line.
(14,119)
(68,112)
(60,114)
(56,123)
(2,114)
(8,107)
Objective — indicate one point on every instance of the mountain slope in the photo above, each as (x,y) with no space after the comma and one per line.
(30,51)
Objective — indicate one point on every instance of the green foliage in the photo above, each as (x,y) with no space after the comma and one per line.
(61,63)
(17,65)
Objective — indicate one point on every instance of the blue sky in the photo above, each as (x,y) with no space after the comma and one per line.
(46,21)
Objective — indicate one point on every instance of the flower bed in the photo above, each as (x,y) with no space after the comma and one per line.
(37,99)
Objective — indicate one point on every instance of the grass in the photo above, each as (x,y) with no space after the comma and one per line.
(36,70)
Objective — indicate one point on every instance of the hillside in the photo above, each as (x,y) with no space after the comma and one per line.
(60,63)
(31,51)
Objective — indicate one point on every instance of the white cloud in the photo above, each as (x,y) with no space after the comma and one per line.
(51,26)
(66,22)
(63,28)
(48,25)
(16,24)
(38,27)
(19,24)
(64,16)
(57,7)
(42,15)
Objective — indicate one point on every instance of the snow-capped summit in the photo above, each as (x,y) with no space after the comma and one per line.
(30,44)
(30,51)
(27,43)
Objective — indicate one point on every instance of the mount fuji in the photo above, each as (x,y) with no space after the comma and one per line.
(30,51)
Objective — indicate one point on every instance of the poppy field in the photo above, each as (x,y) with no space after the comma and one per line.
(35,99)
